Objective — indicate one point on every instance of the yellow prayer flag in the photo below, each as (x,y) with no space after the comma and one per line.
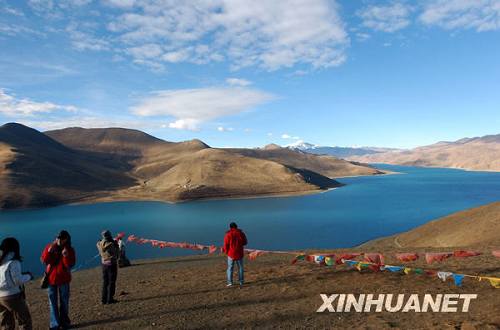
(495,282)
(407,270)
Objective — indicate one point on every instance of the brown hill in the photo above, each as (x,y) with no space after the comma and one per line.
(35,170)
(122,164)
(328,166)
(126,142)
(217,173)
(190,169)
(480,153)
(478,226)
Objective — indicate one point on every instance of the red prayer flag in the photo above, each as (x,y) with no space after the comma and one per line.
(407,257)
(438,256)
(375,258)
(338,261)
(465,254)
(212,249)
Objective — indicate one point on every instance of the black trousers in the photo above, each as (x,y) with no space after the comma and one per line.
(109,274)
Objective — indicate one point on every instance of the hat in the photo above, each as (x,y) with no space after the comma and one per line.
(106,234)
(63,234)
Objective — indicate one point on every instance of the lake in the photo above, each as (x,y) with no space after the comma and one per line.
(364,209)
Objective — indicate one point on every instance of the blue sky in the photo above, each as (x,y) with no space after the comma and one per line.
(247,73)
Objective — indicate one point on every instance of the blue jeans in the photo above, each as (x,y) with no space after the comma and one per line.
(230,267)
(59,305)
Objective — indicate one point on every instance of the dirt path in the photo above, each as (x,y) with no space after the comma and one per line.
(190,293)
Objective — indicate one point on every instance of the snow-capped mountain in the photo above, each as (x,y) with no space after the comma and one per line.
(341,152)
(301,145)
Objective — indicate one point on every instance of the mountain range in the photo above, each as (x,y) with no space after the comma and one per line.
(87,165)
(341,152)
(478,153)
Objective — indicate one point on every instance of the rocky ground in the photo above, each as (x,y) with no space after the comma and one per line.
(190,293)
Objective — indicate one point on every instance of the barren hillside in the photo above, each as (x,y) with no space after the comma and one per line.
(328,166)
(478,226)
(482,153)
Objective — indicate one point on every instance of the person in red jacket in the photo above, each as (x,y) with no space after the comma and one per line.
(234,240)
(59,257)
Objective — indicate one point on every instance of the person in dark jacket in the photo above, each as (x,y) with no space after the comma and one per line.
(109,252)
(59,257)
(12,298)
(234,241)
(122,259)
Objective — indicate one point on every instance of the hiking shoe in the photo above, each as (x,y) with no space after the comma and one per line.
(229,285)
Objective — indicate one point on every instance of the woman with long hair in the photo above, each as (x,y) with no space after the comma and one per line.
(12,299)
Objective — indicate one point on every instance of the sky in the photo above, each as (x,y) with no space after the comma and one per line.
(245,73)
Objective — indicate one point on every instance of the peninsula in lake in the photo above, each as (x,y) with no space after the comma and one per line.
(88,165)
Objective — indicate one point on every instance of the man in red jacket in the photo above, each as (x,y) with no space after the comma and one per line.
(234,240)
(59,257)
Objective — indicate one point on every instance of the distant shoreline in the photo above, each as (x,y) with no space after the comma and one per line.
(109,197)
(112,199)
(439,166)
(385,172)
(234,197)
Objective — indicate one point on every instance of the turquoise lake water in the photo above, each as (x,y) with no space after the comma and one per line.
(366,208)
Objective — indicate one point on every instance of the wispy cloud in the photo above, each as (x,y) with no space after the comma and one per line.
(88,121)
(225,129)
(238,82)
(13,30)
(289,137)
(12,106)
(269,34)
(479,15)
(11,11)
(123,4)
(386,18)
(86,40)
(192,107)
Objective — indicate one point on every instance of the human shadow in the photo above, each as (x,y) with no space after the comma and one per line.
(215,306)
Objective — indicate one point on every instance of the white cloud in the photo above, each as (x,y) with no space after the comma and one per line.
(268,34)
(145,51)
(362,36)
(289,137)
(85,40)
(389,18)
(12,106)
(192,107)
(16,29)
(238,82)
(225,129)
(123,4)
(89,121)
(479,15)
(12,11)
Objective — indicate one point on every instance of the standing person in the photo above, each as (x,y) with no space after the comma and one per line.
(59,257)
(109,251)
(122,258)
(234,240)
(12,300)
